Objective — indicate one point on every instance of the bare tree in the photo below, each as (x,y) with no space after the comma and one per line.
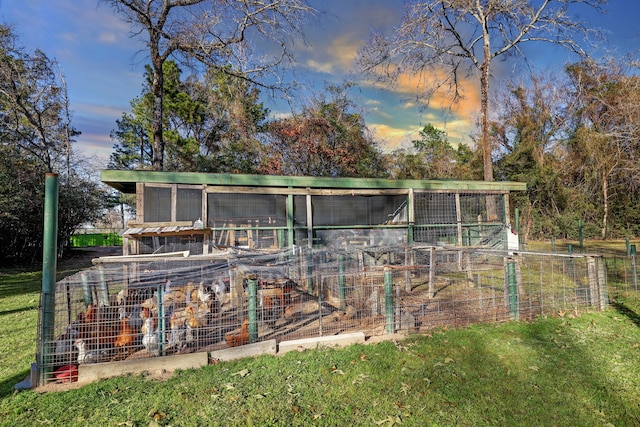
(216,33)
(441,41)
(34,109)
(603,151)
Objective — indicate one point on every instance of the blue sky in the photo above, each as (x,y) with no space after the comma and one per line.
(103,65)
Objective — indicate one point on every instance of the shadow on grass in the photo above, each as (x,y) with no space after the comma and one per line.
(626,311)
(7,386)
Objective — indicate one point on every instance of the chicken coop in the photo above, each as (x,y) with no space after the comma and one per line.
(217,261)
(202,213)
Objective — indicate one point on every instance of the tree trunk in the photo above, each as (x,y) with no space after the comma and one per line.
(484,131)
(605,206)
(158,140)
(484,103)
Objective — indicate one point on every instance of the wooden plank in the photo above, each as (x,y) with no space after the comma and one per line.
(305,191)
(136,224)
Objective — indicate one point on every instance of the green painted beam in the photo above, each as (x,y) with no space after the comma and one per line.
(125,181)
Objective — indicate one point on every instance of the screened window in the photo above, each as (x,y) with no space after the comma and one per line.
(189,204)
(157,204)
(355,210)
(265,208)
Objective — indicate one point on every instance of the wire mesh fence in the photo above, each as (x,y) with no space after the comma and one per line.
(127,308)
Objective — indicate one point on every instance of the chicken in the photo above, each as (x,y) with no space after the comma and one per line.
(127,335)
(145,314)
(220,289)
(241,338)
(202,295)
(90,316)
(150,338)
(174,296)
(65,344)
(89,356)
(95,328)
(178,336)
(198,315)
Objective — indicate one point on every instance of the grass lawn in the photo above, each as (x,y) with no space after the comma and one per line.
(573,369)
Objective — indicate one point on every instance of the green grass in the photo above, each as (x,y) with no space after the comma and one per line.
(557,371)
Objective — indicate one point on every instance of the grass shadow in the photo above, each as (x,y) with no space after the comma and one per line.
(7,386)
(626,311)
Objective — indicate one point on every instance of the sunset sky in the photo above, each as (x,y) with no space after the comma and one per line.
(103,65)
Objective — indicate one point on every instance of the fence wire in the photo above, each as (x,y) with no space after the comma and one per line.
(127,308)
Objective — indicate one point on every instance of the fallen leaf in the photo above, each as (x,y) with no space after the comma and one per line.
(534,368)
(229,386)
(338,371)
(405,388)
(360,379)
(242,373)
(390,420)
(449,360)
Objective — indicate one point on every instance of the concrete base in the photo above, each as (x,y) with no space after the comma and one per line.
(249,350)
(96,371)
(342,340)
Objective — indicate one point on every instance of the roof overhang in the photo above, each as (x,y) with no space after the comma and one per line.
(125,181)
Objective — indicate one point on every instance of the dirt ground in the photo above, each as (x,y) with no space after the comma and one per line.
(80,258)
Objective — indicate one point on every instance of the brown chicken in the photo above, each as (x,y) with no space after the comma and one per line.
(241,338)
(126,336)
(94,329)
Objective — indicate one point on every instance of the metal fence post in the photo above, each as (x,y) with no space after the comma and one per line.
(49,261)
(634,266)
(252,288)
(388,300)
(512,288)
(341,282)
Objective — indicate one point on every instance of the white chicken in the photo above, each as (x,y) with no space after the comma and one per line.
(150,338)
(202,295)
(66,342)
(88,356)
(220,290)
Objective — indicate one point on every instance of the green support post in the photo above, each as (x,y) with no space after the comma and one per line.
(634,266)
(342,282)
(49,261)
(87,296)
(388,300)
(161,323)
(580,235)
(252,288)
(520,243)
(626,243)
(512,289)
(103,289)
(310,270)
(290,221)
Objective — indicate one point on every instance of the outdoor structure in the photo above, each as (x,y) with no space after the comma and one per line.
(199,212)
(215,261)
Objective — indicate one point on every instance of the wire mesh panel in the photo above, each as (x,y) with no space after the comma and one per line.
(142,307)
(463,219)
